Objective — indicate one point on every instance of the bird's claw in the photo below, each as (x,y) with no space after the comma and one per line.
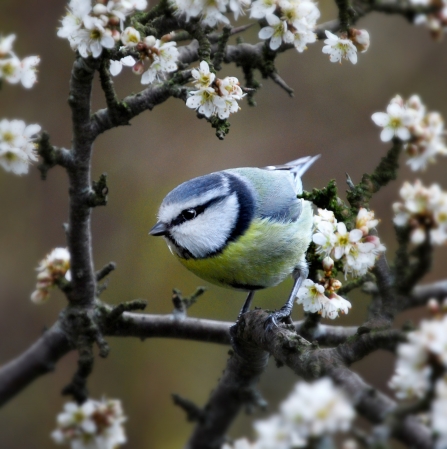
(276,317)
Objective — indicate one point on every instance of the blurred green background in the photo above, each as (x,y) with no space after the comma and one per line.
(329,115)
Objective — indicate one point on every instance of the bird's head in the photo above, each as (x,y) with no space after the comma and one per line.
(199,217)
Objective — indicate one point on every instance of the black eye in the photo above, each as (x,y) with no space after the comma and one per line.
(189,214)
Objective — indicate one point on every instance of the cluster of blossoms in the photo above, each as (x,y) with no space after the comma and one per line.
(356,249)
(420,361)
(89,28)
(289,21)
(17,147)
(346,45)
(160,54)
(422,131)
(211,12)
(321,297)
(92,425)
(12,69)
(51,270)
(311,411)
(215,96)
(424,209)
(436,21)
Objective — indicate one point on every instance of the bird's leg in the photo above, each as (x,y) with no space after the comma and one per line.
(299,275)
(245,308)
(247,304)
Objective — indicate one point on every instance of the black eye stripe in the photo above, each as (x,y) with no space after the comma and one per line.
(193,212)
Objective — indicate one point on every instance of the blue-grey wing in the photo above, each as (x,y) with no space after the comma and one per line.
(274,192)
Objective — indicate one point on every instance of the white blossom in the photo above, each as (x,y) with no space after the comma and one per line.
(130,37)
(356,249)
(425,346)
(360,38)
(206,101)
(365,220)
(214,96)
(261,8)
(92,425)
(90,29)
(317,409)
(117,66)
(311,296)
(439,412)
(339,48)
(276,433)
(422,132)
(277,32)
(424,209)
(51,270)
(13,70)
(17,147)
(203,77)
(6,45)
(164,56)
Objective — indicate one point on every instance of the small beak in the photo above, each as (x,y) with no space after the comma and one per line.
(159,229)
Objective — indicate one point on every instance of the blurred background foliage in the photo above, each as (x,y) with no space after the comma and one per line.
(329,115)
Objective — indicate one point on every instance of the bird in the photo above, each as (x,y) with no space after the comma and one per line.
(242,228)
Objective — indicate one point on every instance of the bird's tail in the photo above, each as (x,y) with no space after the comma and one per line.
(297,168)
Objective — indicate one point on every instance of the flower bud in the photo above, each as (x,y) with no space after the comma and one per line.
(328,264)
(114,21)
(360,38)
(99,9)
(336,284)
(150,41)
(138,68)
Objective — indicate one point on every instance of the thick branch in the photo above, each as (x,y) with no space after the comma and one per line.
(236,388)
(40,358)
(311,363)
(79,232)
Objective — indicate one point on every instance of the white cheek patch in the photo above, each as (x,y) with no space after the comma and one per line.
(168,212)
(209,231)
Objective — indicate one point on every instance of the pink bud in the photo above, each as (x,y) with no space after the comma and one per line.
(138,68)
(360,38)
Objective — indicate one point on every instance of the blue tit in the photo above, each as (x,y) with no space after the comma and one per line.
(242,228)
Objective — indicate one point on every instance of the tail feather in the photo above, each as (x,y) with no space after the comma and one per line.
(297,168)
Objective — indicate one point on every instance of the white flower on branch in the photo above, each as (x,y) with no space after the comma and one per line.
(162,56)
(211,12)
(90,29)
(277,32)
(261,8)
(312,410)
(6,45)
(215,96)
(51,270)
(12,69)
(424,210)
(17,147)
(425,352)
(423,132)
(92,425)
(317,409)
(339,48)
(311,296)
(357,249)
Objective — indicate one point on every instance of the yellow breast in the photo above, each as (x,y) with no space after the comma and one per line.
(262,257)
